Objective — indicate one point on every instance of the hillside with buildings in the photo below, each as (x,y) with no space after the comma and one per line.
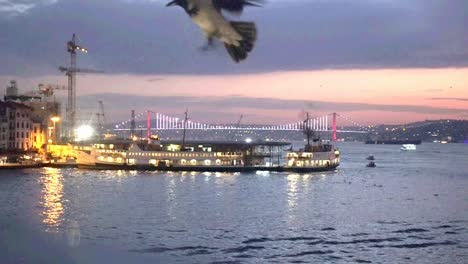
(427,131)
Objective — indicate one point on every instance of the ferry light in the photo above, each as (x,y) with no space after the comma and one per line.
(248,140)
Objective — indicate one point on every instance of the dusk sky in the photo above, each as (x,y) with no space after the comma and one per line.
(374,61)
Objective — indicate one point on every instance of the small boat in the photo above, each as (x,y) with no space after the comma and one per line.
(371,157)
(371,165)
(408,147)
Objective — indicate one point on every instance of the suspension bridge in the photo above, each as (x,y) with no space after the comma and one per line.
(155,121)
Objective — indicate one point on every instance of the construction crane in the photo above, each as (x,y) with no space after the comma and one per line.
(71,72)
(47,90)
(101,119)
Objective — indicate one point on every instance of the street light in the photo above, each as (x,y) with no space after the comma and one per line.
(55,119)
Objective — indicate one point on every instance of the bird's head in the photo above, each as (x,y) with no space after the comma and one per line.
(181,3)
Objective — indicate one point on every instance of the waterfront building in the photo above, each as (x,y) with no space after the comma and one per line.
(16,120)
(26,120)
(18,129)
(4,128)
(38,136)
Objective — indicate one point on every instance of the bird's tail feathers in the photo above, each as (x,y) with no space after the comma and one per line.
(248,31)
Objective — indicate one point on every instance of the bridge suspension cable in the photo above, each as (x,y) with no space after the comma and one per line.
(158,121)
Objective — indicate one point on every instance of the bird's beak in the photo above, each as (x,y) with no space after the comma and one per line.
(172,3)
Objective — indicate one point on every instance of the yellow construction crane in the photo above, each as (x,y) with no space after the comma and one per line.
(70,72)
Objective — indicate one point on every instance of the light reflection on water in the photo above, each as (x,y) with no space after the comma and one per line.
(293,180)
(52,198)
(395,213)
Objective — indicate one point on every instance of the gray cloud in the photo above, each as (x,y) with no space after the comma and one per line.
(449,99)
(11,8)
(145,37)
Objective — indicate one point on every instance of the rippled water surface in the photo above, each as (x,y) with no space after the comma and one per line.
(412,208)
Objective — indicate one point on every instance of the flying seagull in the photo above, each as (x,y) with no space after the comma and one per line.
(238,37)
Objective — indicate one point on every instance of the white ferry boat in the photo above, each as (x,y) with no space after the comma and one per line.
(220,156)
(321,157)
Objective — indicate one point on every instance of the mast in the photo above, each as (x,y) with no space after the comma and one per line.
(132,125)
(185,127)
(308,131)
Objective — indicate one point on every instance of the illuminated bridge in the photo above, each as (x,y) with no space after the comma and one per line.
(155,121)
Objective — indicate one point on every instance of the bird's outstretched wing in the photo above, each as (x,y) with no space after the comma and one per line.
(235,6)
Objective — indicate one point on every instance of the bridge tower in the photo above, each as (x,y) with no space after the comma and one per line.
(334,127)
(148,124)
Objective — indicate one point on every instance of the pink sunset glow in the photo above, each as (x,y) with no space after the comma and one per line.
(436,88)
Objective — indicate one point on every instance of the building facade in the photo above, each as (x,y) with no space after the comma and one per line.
(18,130)
(38,136)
